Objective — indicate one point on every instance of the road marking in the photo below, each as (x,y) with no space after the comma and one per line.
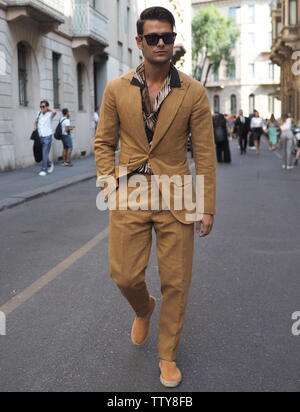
(29,292)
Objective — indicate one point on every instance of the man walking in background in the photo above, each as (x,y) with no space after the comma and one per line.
(242,129)
(152,110)
(43,124)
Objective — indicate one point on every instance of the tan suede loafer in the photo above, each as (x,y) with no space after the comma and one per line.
(141,326)
(171,376)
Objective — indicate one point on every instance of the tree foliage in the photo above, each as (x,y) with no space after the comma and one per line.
(214,38)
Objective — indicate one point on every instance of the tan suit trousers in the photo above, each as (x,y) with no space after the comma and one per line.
(130,244)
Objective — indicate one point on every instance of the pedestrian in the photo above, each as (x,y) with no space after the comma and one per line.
(152,146)
(251,140)
(67,138)
(287,142)
(221,138)
(43,124)
(297,132)
(272,132)
(257,128)
(242,131)
(230,126)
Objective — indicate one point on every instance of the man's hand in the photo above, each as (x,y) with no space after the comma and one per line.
(54,113)
(204,226)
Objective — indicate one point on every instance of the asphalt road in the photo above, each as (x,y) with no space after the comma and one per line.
(70,330)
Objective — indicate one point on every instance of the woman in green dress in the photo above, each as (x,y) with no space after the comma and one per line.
(272,133)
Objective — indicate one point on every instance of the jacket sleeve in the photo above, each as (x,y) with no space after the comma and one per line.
(107,135)
(204,147)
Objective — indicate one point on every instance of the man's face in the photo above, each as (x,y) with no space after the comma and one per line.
(44,108)
(241,113)
(161,53)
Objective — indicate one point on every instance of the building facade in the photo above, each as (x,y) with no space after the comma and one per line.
(64,51)
(181,10)
(286,53)
(252,82)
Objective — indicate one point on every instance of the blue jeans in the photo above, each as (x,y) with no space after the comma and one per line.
(46,142)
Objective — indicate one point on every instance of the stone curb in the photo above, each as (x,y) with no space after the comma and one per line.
(14,201)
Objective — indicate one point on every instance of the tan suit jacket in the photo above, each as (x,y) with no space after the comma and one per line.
(185,110)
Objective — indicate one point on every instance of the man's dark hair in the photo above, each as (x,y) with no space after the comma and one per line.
(65,112)
(45,102)
(155,13)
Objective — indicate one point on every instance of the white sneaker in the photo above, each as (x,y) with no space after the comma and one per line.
(42,174)
(51,168)
(284,166)
(290,167)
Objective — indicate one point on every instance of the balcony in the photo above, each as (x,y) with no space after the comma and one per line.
(90,28)
(291,36)
(48,13)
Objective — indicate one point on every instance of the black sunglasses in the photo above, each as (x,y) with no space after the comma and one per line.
(153,39)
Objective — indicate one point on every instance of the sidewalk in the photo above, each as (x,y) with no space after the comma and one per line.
(23,185)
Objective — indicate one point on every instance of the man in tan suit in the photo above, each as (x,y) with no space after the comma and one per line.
(151,111)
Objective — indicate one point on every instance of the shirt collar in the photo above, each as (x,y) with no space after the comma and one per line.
(174,77)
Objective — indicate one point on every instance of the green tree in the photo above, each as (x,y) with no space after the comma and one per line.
(214,38)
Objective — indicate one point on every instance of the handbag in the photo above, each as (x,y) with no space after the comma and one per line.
(35,134)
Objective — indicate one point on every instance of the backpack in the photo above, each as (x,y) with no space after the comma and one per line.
(59,131)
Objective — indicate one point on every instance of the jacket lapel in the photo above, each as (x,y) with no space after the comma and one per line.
(136,114)
(168,112)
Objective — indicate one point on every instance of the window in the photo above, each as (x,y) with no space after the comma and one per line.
(128,25)
(233,104)
(293,13)
(271,71)
(22,70)
(216,104)
(251,39)
(80,86)
(251,13)
(271,104)
(56,81)
(216,76)
(278,27)
(251,103)
(251,69)
(119,21)
(232,13)
(231,70)
(270,40)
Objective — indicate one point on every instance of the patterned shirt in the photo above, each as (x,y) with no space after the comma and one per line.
(151,113)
